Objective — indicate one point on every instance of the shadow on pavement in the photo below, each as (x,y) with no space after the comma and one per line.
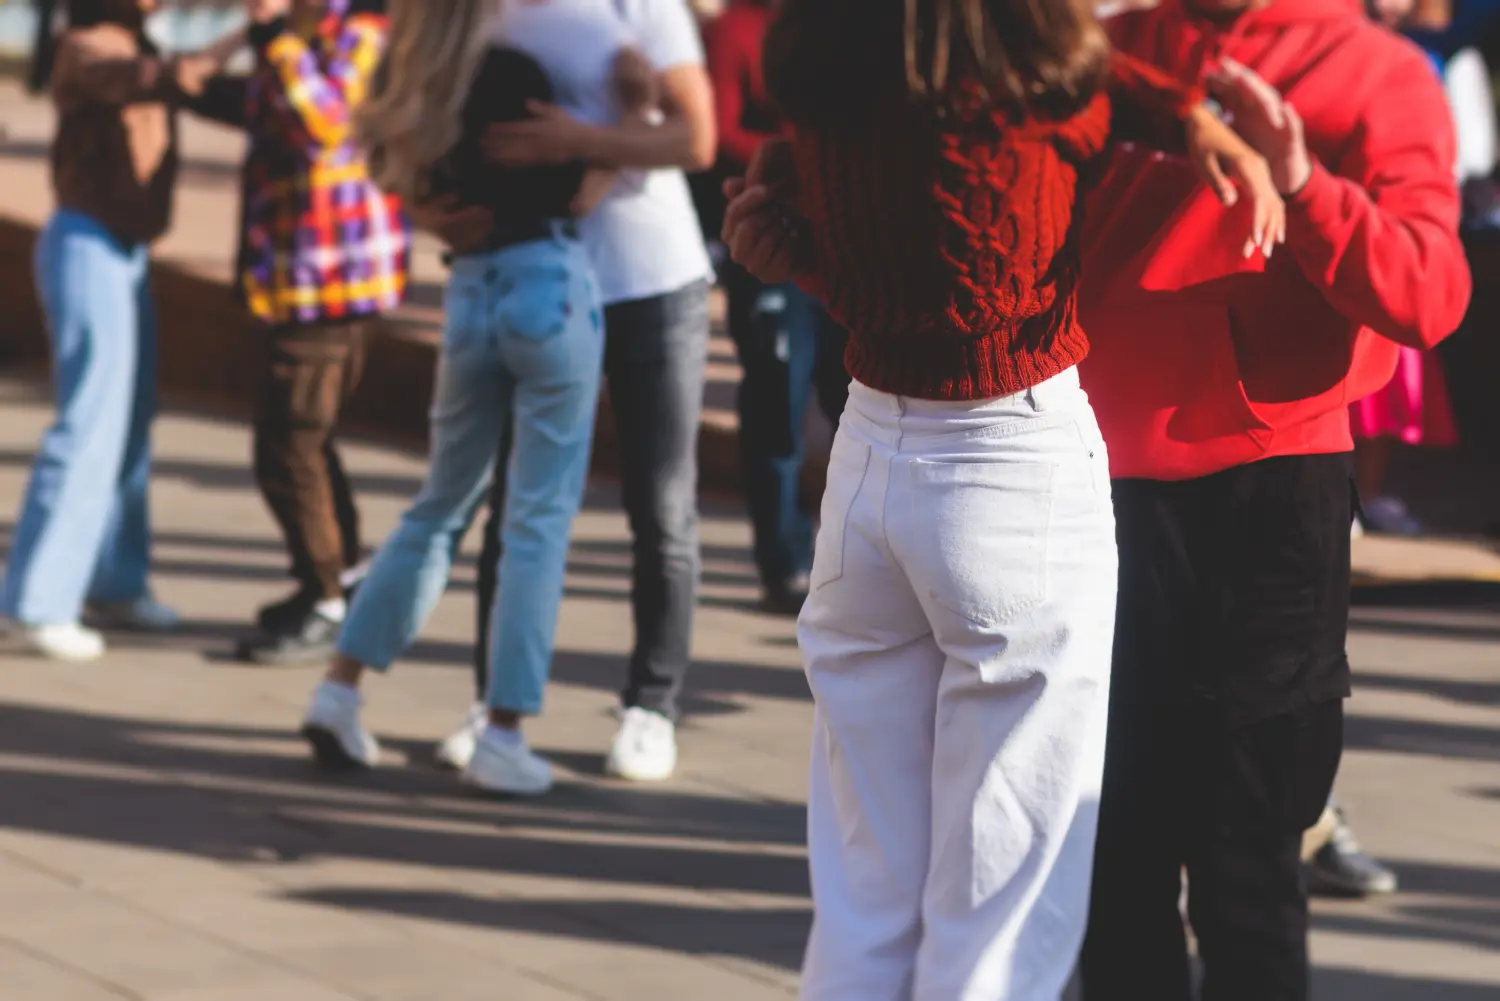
(246,794)
(1406,736)
(1478,693)
(239,794)
(775,936)
(1362,986)
(1429,594)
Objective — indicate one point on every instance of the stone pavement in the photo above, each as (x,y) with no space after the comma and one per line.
(163,837)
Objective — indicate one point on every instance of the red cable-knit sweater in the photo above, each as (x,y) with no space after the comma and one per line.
(949,250)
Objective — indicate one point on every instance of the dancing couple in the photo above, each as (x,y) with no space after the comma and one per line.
(961,623)
(538,141)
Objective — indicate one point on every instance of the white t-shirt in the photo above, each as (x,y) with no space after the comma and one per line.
(1467,81)
(644,238)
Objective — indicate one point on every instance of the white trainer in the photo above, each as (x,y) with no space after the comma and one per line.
(503,763)
(143,615)
(67,641)
(457,749)
(332,727)
(645,749)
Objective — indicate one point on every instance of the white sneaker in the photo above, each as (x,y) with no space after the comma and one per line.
(353,577)
(143,615)
(458,748)
(333,729)
(645,749)
(69,641)
(502,763)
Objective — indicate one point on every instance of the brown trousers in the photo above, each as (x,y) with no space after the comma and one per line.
(308,373)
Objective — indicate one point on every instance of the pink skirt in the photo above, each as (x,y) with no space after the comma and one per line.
(1413,408)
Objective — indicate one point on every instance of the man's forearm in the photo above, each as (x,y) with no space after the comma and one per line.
(637,144)
(1397,268)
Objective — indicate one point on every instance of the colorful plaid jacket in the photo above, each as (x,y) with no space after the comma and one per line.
(318,240)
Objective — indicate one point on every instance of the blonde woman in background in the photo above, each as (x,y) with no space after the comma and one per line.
(522,348)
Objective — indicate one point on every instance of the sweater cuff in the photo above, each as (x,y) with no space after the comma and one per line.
(263,33)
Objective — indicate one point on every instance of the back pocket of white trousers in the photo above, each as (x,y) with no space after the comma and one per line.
(848,465)
(981,536)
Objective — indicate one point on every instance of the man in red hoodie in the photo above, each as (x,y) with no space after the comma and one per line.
(1222,385)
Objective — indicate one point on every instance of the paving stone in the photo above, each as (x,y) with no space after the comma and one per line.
(163,836)
(25,976)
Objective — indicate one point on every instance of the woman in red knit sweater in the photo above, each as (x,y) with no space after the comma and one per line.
(957,635)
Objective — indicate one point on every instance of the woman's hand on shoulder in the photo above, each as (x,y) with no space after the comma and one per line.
(1233,169)
(462,227)
(764,233)
(763,230)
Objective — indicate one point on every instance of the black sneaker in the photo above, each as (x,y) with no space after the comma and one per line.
(1341,868)
(785,598)
(310,641)
(284,615)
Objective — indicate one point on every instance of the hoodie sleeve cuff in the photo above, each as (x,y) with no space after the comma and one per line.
(1317,205)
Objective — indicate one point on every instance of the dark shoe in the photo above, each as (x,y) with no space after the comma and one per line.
(785,598)
(285,614)
(1341,868)
(309,641)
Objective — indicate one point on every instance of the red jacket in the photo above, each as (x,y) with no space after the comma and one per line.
(744,112)
(1202,360)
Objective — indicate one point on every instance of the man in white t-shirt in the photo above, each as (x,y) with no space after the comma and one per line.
(654,273)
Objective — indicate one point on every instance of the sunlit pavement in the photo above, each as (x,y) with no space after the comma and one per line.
(163,836)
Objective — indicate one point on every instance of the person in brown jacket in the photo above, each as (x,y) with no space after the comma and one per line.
(83,534)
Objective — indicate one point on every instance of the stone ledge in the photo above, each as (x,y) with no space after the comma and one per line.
(207,358)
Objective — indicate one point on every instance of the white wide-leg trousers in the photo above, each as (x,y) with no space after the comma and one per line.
(957,642)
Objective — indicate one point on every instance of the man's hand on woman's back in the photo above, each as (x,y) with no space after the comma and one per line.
(462,227)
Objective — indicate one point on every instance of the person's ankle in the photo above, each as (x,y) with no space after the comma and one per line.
(345,671)
(505,719)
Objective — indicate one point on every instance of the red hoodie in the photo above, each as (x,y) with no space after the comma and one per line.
(744,112)
(1202,360)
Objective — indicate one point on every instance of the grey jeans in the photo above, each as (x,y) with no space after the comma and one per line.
(656,351)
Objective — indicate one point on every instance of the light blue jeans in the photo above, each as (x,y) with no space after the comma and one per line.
(83,532)
(523,343)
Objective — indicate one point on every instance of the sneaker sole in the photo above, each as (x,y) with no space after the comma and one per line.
(1321,884)
(329,750)
(251,654)
(510,793)
(66,658)
(614,771)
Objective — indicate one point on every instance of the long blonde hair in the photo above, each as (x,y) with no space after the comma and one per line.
(414,116)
